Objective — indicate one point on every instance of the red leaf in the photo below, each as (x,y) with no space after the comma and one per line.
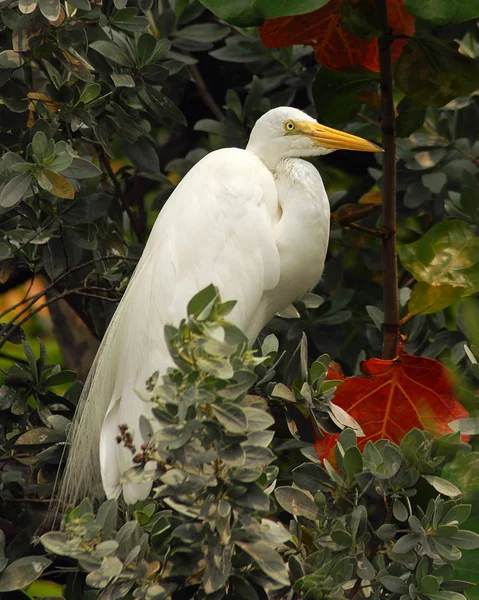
(334,371)
(334,46)
(394,397)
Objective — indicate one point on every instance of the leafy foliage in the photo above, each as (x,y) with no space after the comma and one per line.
(208,529)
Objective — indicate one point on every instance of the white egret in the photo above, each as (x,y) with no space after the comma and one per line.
(253,222)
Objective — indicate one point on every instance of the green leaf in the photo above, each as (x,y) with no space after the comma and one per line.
(394,584)
(361,19)
(81,4)
(411,115)
(246,13)
(427,299)
(90,92)
(205,32)
(386,532)
(50,9)
(443,11)
(400,512)
(9,59)
(112,52)
(123,80)
(160,105)
(336,94)
(60,378)
(434,181)
(143,155)
(61,162)
(27,6)
(40,146)
(465,540)
(45,589)
(447,254)
(39,436)
(296,502)
(406,543)
(81,169)
(432,71)
(467,426)
(268,560)
(443,486)
(231,416)
(22,572)
(14,190)
(352,463)
(146,47)
(202,300)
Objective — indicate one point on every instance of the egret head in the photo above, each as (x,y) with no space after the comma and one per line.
(287,132)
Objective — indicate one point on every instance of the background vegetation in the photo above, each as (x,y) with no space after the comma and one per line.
(103,108)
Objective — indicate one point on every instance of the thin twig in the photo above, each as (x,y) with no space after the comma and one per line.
(9,327)
(38,295)
(119,190)
(369,120)
(205,92)
(375,232)
(7,356)
(5,334)
(390,271)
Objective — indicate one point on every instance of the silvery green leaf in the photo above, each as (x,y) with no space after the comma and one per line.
(268,559)
(297,502)
(282,391)
(81,169)
(50,9)
(27,6)
(123,80)
(232,417)
(109,569)
(9,59)
(22,572)
(14,190)
(443,486)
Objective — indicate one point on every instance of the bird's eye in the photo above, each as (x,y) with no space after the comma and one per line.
(289,125)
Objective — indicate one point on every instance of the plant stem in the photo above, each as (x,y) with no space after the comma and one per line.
(119,191)
(204,92)
(390,272)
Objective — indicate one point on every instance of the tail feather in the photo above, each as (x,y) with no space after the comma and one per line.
(82,473)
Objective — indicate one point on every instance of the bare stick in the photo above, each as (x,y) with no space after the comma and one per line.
(124,202)
(205,92)
(390,272)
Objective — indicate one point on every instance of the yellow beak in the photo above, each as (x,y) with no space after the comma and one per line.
(333,138)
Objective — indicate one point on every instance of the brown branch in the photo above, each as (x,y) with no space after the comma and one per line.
(124,201)
(369,120)
(390,272)
(205,92)
(30,301)
(4,335)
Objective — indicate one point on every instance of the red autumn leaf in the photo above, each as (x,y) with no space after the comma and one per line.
(394,397)
(335,371)
(334,46)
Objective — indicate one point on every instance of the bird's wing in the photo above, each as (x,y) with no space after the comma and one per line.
(217,227)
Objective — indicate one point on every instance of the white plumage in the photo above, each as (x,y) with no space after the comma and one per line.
(253,222)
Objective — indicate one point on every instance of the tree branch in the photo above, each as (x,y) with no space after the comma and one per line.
(205,92)
(390,272)
(29,301)
(126,206)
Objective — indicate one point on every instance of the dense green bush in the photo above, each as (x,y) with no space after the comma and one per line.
(213,529)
